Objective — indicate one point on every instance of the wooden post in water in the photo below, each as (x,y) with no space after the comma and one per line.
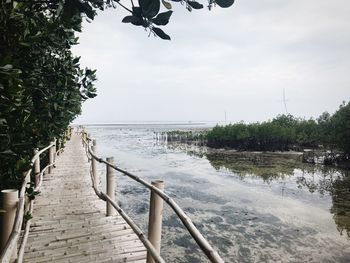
(36,167)
(110,187)
(94,164)
(155,219)
(8,215)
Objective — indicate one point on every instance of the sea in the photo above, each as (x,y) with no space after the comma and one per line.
(251,207)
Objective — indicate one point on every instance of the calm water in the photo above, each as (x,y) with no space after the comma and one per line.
(251,207)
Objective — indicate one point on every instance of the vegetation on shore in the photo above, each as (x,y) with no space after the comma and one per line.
(283,133)
(286,132)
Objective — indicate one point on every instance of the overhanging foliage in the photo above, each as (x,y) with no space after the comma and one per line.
(42,85)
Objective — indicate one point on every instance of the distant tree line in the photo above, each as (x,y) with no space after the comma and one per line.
(286,132)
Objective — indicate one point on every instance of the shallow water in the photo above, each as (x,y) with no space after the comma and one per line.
(250,207)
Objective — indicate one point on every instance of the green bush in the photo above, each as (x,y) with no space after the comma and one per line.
(340,125)
(286,132)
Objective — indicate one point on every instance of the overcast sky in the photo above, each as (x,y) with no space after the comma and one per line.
(237,60)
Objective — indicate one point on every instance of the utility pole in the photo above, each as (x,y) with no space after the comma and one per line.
(284,100)
(225,117)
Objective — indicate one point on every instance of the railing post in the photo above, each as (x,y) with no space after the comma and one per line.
(94,164)
(36,167)
(58,146)
(27,179)
(87,146)
(8,215)
(69,132)
(51,158)
(110,187)
(54,149)
(155,219)
(83,136)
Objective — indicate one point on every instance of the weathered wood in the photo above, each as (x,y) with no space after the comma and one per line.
(36,167)
(9,205)
(11,245)
(110,179)
(155,219)
(94,165)
(51,158)
(68,222)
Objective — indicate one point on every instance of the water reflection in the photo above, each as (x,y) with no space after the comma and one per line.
(268,166)
(341,203)
(277,166)
(336,183)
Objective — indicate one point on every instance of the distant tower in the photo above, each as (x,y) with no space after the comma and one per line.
(285,100)
(225,117)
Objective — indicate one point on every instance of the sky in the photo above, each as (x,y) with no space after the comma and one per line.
(236,60)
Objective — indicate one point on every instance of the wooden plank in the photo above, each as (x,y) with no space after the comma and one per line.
(91,249)
(69,222)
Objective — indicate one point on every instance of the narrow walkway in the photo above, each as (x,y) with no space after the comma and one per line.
(69,222)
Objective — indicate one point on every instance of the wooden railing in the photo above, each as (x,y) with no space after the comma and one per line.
(19,217)
(152,244)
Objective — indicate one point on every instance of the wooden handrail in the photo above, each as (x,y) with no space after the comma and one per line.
(157,258)
(10,247)
(28,223)
(204,245)
(128,220)
(36,156)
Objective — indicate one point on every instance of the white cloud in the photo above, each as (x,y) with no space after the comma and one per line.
(236,60)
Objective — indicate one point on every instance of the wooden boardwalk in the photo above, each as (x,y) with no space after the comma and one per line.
(69,222)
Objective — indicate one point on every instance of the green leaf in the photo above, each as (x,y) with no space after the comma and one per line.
(195,5)
(166,4)
(162,19)
(98,3)
(27,216)
(150,8)
(90,13)
(23,165)
(91,95)
(136,11)
(133,20)
(224,3)
(160,33)
(76,60)
(130,19)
